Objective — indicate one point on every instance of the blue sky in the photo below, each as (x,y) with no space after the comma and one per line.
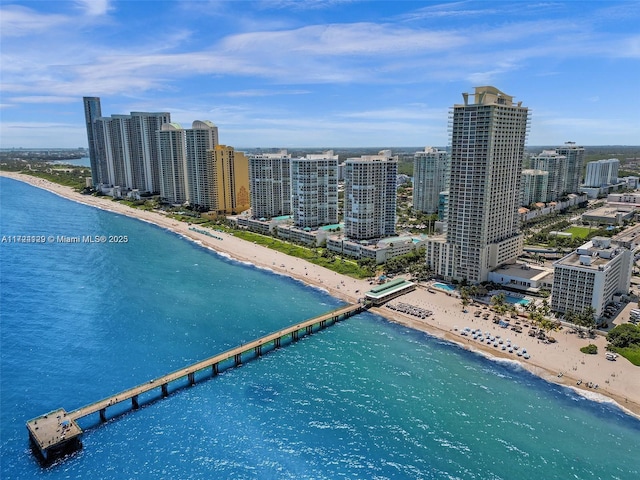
(310,73)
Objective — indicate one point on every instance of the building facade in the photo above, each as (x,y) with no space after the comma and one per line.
(602,172)
(199,174)
(370,196)
(488,134)
(92,111)
(270,184)
(172,143)
(230,176)
(590,276)
(430,177)
(575,165)
(556,166)
(534,186)
(314,190)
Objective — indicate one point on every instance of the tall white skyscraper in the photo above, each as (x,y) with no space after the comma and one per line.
(370,196)
(575,165)
(556,166)
(534,186)
(602,172)
(430,177)
(270,184)
(144,149)
(488,136)
(122,148)
(199,174)
(314,190)
(172,142)
(92,111)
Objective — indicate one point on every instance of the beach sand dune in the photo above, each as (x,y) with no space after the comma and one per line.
(560,362)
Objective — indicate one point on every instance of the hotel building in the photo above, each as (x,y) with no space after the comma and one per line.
(430,177)
(370,196)
(270,184)
(591,276)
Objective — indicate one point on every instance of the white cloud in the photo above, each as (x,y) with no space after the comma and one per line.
(94,7)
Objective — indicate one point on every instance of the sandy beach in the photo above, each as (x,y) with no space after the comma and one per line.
(561,362)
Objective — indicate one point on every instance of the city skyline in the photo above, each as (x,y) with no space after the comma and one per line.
(317,74)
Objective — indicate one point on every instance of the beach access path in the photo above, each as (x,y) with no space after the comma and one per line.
(560,362)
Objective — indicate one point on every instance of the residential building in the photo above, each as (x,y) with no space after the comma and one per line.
(230,177)
(270,184)
(602,172)
(488,134)
(172,142)
(575,164)
(314,190)
(144,149)
(430,177)
(92,111)
(534,186)
(590,276)
(556,167)
(370,196)
(199,172)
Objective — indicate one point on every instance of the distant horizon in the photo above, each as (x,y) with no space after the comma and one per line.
(346,72)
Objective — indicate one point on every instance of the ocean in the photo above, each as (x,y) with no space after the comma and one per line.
(366,398)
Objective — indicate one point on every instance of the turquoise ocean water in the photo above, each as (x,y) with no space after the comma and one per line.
(363,399)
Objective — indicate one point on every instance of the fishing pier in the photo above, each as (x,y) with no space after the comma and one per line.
(57,432)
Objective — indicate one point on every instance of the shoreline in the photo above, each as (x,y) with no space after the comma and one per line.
(560,363)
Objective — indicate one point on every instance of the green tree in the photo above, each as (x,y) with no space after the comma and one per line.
(625,335)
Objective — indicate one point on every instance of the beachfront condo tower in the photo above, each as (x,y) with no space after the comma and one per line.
(370,196)
(314,190)
(270,182)
(172,143)
(602,172)
(199,171)
(430,177)
(230,175)
(488,134)
(92,111)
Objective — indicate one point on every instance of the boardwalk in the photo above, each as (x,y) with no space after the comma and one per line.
(57,432)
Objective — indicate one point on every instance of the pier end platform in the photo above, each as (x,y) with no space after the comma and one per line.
(54,434)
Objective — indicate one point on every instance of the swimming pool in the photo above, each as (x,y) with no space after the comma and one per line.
(444,286)
(521,301)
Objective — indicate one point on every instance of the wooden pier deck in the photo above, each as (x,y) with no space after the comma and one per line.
(58,432)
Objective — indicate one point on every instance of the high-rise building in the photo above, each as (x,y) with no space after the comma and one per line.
(602,172)
(557,167)
(122,148)
(370,196)
(144,149)
(200,138)
(534,186)
(172,144)
(270,184)
(488,134)
(92,111)
(230,175)
(430,177)
(314,190)
(575,164)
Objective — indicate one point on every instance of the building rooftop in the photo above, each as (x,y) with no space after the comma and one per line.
(524,270)
(593,255)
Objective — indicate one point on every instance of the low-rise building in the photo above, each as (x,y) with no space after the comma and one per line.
(523,277)
(590,276)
